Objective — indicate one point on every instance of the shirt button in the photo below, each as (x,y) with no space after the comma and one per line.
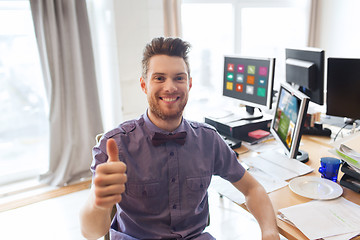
(173,180)
(174,206)
(171,153)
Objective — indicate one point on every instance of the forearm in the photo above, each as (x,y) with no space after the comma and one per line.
(259,204)
(261,208)
(94,222)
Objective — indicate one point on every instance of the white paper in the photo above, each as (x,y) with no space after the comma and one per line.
(278,165)
(320,219)
(346,236)
(228,190)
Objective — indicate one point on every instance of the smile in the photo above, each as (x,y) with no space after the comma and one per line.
(169,99)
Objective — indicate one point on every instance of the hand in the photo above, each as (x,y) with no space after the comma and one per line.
(110,178)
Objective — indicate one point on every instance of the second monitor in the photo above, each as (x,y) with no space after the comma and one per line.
(249,80)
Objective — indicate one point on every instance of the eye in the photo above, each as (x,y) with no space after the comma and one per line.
(159,78)
(180,78)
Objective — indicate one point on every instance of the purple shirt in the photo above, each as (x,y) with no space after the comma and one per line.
(166,192)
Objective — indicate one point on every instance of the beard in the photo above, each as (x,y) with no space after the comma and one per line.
(167,114)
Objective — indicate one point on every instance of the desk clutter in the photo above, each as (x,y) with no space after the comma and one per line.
(330,220)
(350,167)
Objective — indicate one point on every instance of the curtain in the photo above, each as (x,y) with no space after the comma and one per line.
(172,18)
(63,37)
(312,26)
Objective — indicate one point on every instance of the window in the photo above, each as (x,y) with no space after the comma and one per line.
(23,124)
(255,28)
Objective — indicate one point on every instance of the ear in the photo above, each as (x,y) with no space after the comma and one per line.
(190,83)
(143,85)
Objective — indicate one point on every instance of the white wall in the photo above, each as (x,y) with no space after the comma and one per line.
(137,22)
(337,30)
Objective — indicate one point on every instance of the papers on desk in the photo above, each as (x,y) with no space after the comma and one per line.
(226,189)
(348,155)
(331,220)
(270,169)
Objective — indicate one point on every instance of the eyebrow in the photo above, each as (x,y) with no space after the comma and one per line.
(177,74)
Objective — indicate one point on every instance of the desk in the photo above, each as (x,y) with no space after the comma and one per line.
(317,147)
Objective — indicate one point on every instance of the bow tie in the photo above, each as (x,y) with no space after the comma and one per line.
(160,138)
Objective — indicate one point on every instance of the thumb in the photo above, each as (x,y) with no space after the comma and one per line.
(112,151)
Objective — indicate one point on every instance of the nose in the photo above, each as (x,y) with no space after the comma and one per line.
(170,85)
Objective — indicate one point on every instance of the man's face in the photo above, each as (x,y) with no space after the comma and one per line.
(167,86)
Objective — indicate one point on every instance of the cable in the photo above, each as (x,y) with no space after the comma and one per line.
(346,124)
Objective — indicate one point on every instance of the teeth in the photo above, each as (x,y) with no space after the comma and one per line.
(169,99)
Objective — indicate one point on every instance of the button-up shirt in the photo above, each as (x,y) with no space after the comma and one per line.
(166,192)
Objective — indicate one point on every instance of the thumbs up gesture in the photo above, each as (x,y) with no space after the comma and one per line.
(110,178)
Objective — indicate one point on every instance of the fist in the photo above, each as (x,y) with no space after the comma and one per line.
(110,178)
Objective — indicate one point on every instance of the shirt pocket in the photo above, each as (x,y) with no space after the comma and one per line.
(143,198)
(143,189)
(197,192)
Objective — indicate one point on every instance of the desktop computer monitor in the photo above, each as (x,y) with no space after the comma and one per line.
(343,88)
(288,120)
(305,71)
(249,80)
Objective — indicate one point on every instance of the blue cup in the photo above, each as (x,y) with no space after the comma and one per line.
(329,168)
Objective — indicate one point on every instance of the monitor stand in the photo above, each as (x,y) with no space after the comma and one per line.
(302,156)
(243,113)
(247,113)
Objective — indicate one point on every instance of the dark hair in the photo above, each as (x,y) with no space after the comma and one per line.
(165,46)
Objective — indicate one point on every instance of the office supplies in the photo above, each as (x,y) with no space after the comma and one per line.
(351,171)
(258,134)
(288,121)
(315,188)
(350,182)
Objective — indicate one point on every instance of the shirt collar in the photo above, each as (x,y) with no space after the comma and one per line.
(153,128)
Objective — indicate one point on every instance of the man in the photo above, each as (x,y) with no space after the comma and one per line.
(168,162)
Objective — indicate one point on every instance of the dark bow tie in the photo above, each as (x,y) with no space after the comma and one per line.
(160,138)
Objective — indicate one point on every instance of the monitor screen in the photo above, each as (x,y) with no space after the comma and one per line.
(343,86)
(305,71)
(288,119)
(249,80)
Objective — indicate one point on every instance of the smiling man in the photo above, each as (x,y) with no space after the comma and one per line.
(156,169)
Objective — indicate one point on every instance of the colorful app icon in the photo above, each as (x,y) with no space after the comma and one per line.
(230,67)
(230,77)
(250,89)
(263,71)
(262,81)
(240,68)
(239,87)
(229,85)
(261,92)
(251,69)
(250,80)
(240,78)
